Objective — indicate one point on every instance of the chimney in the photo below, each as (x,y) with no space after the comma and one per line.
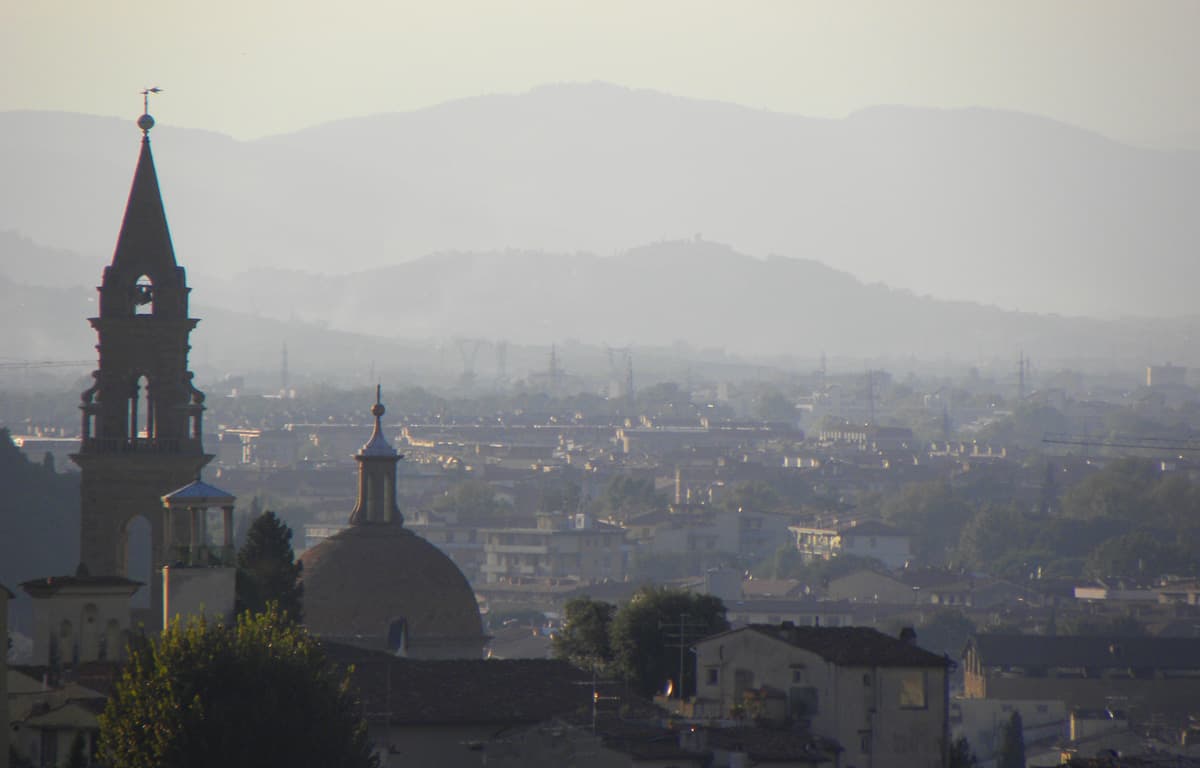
(908,635)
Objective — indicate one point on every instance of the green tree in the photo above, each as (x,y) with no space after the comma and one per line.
(993,532)
(267,569)
(772,405)
(752,496)
(1119,491)
(1138,555)
(624,496)
(961,754)
(647,633)
(471,501)
(1012,744)
(260,693)
(561,497)
(584,638)
(933,514)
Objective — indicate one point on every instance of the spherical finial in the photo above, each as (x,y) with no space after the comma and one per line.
(145,122)
(378,410)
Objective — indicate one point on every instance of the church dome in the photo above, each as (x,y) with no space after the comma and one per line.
(377,585)
(384,587)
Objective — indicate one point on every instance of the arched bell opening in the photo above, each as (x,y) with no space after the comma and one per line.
(141,413)
(143,296)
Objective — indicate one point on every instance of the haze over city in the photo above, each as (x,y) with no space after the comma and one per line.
(606,384)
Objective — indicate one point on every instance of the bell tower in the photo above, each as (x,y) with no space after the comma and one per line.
(142,415)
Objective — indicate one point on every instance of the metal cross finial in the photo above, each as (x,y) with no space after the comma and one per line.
(146,98)
(378,394)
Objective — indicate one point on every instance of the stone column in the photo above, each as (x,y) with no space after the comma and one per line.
(194,538)
(227,524)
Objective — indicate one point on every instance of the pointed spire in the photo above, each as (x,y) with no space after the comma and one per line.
(378,444)
(144,245)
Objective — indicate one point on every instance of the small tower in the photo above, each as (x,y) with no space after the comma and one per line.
(141,430)
(377,462)
(200,578)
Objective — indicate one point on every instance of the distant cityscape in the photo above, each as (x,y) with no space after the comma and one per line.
(636,555)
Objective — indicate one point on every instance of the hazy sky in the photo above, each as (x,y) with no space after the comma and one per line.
(255,67)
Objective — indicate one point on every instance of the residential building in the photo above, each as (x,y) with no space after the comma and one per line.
(883,699)
(878,541)
(1149,675)
(47,718)
(560,547)
(982,721)
(860,538)
(803,612)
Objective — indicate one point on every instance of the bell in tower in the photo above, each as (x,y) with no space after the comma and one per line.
(142,416)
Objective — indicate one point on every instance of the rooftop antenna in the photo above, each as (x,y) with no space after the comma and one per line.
(1022,363)
(283,371)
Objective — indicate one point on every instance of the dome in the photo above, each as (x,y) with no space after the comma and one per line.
(384,587)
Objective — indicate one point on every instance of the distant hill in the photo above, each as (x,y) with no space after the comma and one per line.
(707,295)
(701,293)
(988,206)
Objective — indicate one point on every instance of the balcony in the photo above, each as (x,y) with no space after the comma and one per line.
(517,549)
(140,445)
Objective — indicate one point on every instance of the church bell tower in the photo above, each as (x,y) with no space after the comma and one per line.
(142,415)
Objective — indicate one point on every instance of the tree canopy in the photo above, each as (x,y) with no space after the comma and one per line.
(267,569)
(259,693)
(39,517)
(471,501)
(625,496)
(647,632)
(641,641)
(584,638)
(1012,744)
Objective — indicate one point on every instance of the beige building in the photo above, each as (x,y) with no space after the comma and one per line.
(868,539)
(47,719)
(80,618)
(560,547)
(883,699)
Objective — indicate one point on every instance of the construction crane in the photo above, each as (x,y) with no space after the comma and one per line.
(1171,444)
(29,364)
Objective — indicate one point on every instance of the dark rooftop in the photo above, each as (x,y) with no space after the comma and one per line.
(1005,650)
(510,691)
(851,646)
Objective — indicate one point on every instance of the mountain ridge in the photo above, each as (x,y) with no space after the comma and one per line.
(980,205)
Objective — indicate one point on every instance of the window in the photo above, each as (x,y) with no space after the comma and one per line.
(797,676)
(912,689)
(713,676)
(864,742)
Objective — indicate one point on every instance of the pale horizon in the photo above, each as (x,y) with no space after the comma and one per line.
(1119,69)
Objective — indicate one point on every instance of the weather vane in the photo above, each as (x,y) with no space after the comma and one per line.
(145,122)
